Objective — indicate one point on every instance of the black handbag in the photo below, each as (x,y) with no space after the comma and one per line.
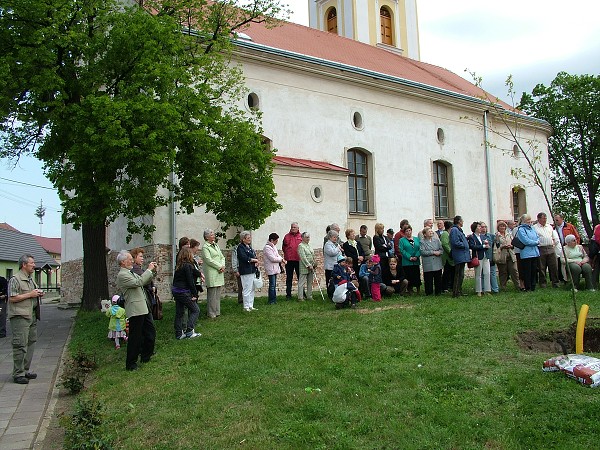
(516,242)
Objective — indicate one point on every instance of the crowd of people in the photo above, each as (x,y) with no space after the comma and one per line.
(388,263)
(362,267)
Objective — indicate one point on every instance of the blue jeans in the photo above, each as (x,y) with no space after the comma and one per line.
(494,278)
(273,288)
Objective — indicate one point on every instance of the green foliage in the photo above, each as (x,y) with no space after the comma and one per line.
(76,370)
(571,104)
(85,428)
(416,372)
(114,100)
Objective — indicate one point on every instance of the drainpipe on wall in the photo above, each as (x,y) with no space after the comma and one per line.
(488,171)
(173,227)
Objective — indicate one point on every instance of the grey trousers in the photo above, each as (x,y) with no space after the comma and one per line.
(305,281)
(24,337)
(213,301)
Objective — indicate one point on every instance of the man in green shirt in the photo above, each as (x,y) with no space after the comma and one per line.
(24,298)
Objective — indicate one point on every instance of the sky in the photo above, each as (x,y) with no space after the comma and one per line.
(532,40)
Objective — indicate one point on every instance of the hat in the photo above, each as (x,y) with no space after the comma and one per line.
(115,299)
(341,258)
(375,259)
(390,231)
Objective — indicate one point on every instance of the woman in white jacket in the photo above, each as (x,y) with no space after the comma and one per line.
(272,262)
(331,250)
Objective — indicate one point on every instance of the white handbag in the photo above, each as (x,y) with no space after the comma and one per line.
(258,281)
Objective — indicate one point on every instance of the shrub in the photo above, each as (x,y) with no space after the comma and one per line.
(85,428)
(76,370)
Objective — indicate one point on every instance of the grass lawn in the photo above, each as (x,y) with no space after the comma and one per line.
(417,372)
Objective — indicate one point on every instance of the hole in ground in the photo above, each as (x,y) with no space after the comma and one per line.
(550,342)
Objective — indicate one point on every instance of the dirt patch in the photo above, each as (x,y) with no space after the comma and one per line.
(561,341)
(383,308)
(55,434)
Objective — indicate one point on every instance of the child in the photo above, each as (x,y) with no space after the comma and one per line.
(375,278)
(363,278)
(352,275)
(118,323)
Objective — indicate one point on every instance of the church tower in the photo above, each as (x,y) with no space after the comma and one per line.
(390,24)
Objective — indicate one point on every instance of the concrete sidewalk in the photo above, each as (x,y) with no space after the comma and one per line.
(26,410)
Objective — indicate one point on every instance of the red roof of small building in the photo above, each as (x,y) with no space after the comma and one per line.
(308,41)
(307,163)
(51,245)
(6,226)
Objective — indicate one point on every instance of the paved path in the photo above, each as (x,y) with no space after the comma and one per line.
(26,410)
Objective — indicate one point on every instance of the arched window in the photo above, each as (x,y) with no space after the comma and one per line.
(358,181)
(519,202)
(267,143)
(385,18)
(441,189)
(332,21)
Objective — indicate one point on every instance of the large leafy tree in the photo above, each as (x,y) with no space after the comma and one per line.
(127,106)
(571,104)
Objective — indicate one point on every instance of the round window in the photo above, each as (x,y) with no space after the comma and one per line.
(316,193)
(253,101)
(440,135)
(357,120)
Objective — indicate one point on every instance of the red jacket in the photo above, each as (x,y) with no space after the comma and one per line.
(290,246)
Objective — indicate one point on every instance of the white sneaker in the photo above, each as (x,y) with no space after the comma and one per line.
(181,337)
(252,308)
(192,334)
(247,309)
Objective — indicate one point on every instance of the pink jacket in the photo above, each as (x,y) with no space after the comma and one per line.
(271,259)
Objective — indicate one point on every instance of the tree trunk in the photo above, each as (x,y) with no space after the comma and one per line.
(95,275)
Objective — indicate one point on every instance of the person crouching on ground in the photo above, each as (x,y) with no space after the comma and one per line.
(352,276)
(345,292)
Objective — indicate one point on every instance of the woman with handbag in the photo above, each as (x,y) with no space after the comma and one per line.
(272,261)
(530,253)
(504,255)
(479,260)
(247,267)
(214,266)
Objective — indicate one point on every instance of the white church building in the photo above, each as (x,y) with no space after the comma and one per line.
(364,133)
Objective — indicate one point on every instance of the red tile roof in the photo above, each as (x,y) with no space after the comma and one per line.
(5,226)
(303,40)
(307,163)
(51,245)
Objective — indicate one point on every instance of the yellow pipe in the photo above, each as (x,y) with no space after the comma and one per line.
(580,327)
